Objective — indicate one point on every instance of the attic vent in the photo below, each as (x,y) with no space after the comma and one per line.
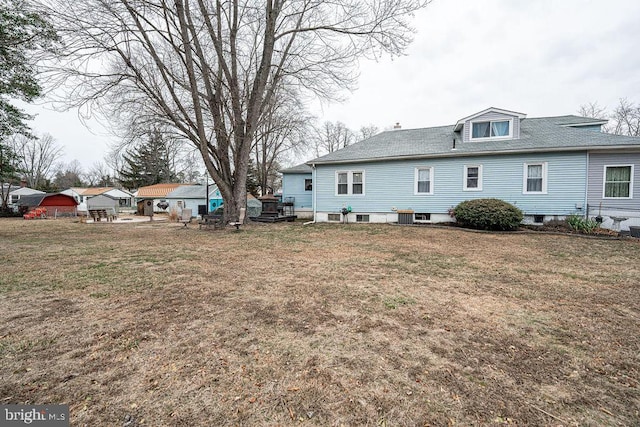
(397,126)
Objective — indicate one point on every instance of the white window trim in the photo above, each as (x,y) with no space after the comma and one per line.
(491,138)
(604,182)
(525,170)
(431,183)
(350,183)
(465,177)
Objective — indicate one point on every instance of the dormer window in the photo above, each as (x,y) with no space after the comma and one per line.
(491,129)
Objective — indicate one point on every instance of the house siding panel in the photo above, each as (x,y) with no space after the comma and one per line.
(597,162)
(466,132)
(293,186)
(390,185)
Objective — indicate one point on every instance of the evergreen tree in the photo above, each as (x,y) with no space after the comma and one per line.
(147,164)
(8,173)
(24,35)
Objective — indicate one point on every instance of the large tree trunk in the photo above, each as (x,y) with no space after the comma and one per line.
(207,70)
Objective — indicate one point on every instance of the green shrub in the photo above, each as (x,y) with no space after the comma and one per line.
(581,224)
(488,214)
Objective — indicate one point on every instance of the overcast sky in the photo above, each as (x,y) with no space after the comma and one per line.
(538,57)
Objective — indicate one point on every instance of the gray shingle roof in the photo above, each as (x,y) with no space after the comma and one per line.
(188,192)
(301,168)
(31,200)
(536,134)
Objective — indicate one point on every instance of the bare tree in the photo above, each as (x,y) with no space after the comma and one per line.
(37,157)
(99,175)
(69,175)
(282,129)
(626,118)
(330,137)
(368,131)
(593,110)
(209,69)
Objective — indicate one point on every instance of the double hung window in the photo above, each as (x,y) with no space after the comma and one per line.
(618,182)
(423,180)
(472,178)
(535,178)
(349,183)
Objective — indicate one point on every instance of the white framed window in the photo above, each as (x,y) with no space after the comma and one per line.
(491,129)
(423,182)
(308,185)
(350,183)
(335,217)
(618,182)
(534,178)
(472,180)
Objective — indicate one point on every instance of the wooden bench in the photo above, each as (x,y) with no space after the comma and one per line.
(99,214)
(210,221)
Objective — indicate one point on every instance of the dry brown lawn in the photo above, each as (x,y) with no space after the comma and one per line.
(158,325)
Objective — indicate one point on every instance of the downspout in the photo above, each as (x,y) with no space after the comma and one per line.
(313,194)
(586,190)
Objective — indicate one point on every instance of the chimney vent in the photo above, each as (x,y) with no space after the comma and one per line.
(397,126)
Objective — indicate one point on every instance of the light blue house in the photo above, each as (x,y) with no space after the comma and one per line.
(548,167)
(297,185)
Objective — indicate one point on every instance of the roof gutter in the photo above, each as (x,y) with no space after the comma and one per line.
(313,191)
(593,123)
(631,148)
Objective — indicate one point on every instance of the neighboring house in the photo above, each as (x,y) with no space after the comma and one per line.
(215,198)
(82,195)
(124,198)
(158,193)
(187,197)
(76,193)
(297,183)
(548,167)
(16,194)
(57,204)
(194,196)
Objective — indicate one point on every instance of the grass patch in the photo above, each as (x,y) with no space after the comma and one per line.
(287,324)
(395,302)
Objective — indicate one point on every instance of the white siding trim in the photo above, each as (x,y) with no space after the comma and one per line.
(465,176)
(415,180)
(525,169)
(604,182)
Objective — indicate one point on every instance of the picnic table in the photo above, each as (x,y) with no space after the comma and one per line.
(210,221)
(99,214)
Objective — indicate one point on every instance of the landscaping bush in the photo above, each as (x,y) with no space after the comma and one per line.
(488,214)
